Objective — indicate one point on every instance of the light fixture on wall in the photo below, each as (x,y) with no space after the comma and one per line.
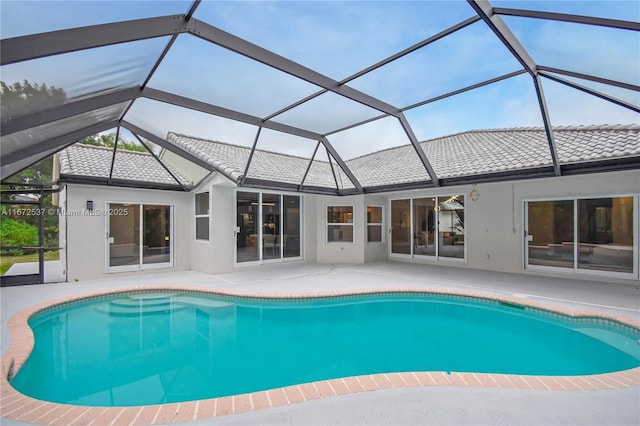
(89,205)
(474,194)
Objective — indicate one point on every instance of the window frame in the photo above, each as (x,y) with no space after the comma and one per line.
(375,224)
(437,256)
(140,266)
(351,224)
(259,227)
(200,216)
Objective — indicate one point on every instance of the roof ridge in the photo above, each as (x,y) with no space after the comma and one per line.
(105,148)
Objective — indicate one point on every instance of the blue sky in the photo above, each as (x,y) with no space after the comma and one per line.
(339,38)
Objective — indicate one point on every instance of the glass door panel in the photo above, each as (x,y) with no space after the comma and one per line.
(451,226)
(247,227)
(124,235)
(550,233)
(291,225)
(424,216)
(605,234)
(156,247)
(271,226)
(401,226)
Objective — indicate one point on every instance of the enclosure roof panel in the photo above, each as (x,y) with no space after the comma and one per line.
(327,97)
(94,161)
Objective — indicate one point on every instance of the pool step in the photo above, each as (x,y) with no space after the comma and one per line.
(137,304)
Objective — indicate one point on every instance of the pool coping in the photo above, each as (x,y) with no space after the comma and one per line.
(17,406)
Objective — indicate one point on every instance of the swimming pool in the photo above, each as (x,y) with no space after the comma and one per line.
(150,347)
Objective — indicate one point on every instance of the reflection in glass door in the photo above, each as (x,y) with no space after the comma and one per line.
(451,226)
(401,226)
(247,234)
(605,234)
(156,234)
(124,235)
(271,226)
(425,226)
(291,226)
(550,233)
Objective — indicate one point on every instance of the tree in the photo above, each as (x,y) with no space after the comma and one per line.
(17,233)
(108,140)
(22,98)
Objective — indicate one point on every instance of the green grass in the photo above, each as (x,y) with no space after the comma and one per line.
(7,261)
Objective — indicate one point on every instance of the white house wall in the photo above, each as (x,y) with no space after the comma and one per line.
(494,224)
(217,256)
(341,252)
(86,234)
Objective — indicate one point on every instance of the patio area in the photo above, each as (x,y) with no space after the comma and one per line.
(415,405)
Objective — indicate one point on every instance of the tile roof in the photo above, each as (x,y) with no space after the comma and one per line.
(95,161)
(463,154)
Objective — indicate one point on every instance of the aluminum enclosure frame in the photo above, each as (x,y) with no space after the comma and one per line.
(35,46)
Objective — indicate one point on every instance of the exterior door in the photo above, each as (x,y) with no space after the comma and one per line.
(139,236)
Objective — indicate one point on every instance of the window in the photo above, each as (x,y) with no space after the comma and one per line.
(374,224)
(202,216)
(340,224)
(592,234)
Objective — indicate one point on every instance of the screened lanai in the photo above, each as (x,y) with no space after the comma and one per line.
(424,91)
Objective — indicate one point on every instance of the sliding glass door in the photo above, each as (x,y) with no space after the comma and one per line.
(550,233)
(583,235)
(156,234)
(247,227)
(291,226)
(268,227)
(424,214)
(401,226)
(428,227)
(124,236)
(139,236)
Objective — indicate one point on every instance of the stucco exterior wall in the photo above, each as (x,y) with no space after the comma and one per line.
(341,252)
(494,224)
(86,234)
(494,228)
(217,256)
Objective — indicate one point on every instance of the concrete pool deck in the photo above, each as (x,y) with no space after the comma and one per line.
(438,400)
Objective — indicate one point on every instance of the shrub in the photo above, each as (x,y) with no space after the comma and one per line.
(15,233)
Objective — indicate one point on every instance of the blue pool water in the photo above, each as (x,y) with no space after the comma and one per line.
(149,348)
